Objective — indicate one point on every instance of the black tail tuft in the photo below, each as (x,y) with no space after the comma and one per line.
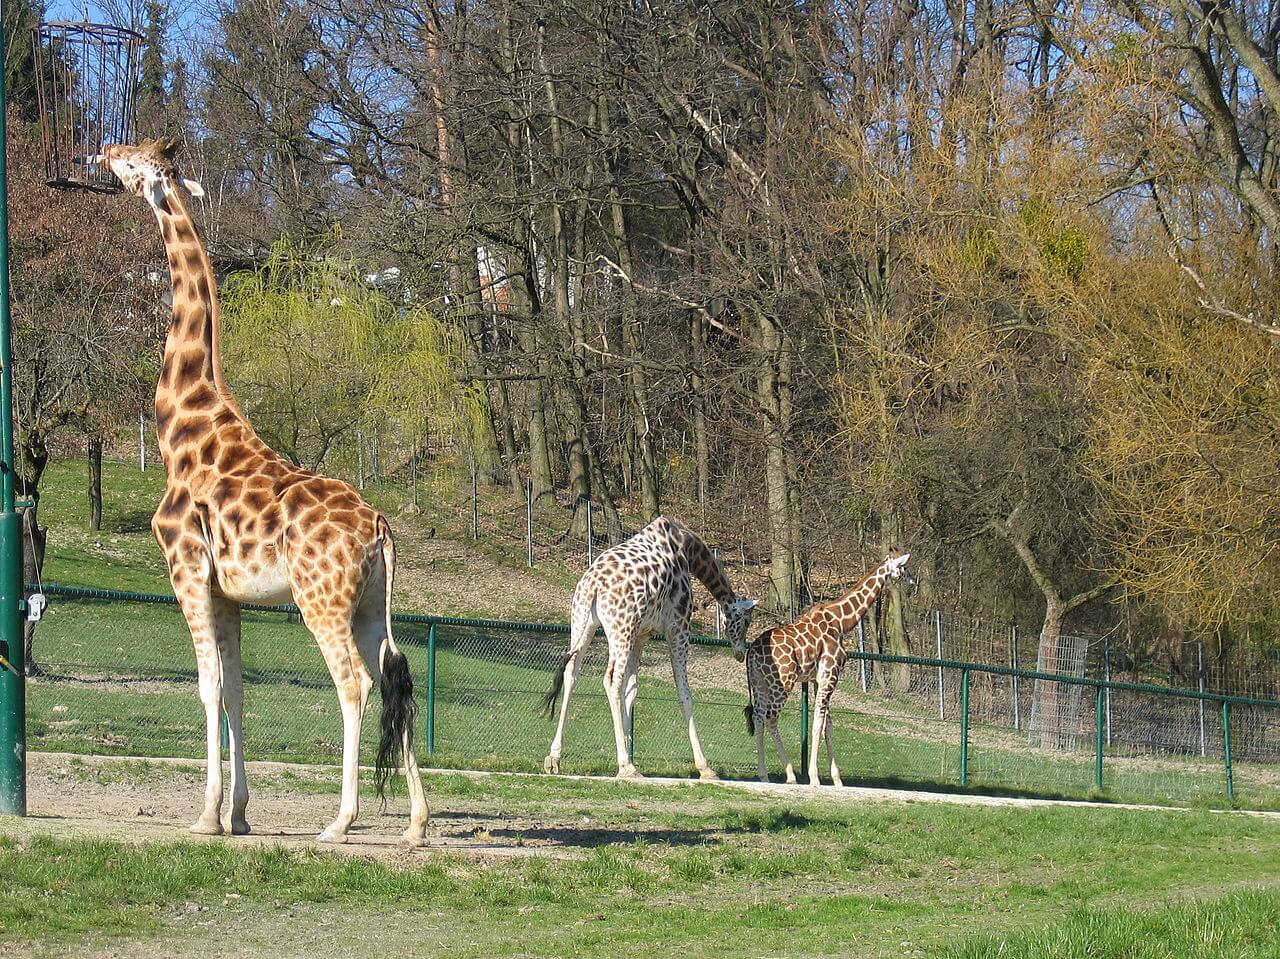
(749,711)
(557,684)
(398,714)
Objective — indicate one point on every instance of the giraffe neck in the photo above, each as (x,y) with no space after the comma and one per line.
(191,376)
(849,609)
(707,569)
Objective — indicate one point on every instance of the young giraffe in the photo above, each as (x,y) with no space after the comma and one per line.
(633,590)
(805,651)
(238,523)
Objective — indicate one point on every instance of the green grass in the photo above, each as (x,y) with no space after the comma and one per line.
(716,874)
(1239,926)
(134,694)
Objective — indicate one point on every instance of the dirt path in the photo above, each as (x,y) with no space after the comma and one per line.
(154,801)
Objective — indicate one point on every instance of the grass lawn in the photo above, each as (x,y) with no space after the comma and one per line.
(124,684)
(724,875)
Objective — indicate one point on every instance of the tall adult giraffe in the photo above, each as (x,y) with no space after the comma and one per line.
(238,523)
(809,650)
(635,589)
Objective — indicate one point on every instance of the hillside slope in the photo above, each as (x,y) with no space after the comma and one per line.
(437,574)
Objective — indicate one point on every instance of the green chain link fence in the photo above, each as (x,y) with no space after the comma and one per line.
(118,678)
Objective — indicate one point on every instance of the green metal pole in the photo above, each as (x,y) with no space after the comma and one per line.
(13,693)
(1226,748)
(964,727)
(431,688)
(804,725)
(1099,735)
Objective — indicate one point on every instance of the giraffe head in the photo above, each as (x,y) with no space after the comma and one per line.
(147,170)
(737,618)
(896,566)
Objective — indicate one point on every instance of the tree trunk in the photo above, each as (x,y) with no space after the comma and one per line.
(701,442)
(642,428)
(95,483)
(1047,702)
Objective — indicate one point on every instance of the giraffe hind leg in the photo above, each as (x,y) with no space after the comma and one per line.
(582,631)
(389,671)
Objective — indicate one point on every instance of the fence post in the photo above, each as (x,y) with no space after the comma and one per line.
(431,688)
(1200,682)
(142,441)
(1017,706)
(1099,711)
(804,726)
(1226,748)
(591,534)
(1106,674)
(937,629)
(964,727)
(528,520)
(862,648)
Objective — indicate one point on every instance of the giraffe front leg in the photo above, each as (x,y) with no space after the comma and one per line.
(831,753)
(814,736)
(191,586)
(228,630)
(782,751)
(679,668)
(210,821)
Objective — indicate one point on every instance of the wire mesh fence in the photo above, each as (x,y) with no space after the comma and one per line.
(119,678)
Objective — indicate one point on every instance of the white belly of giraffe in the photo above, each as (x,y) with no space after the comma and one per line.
(256,582)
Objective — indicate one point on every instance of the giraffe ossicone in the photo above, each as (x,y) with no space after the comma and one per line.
(809,650)
(239,523)
(633,590)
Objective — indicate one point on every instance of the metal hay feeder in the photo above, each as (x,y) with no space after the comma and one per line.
(88,92)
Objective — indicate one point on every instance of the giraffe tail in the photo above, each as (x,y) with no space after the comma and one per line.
(557,684)
(398,708)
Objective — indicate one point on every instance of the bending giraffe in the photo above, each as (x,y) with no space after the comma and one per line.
(238,523)
(633,590)
(808,650)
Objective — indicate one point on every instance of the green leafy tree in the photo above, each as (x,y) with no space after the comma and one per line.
(316,351)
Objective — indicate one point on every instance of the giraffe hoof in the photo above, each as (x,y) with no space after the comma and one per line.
(239,827)
(206,826)
(332,835)
(791,780)
(551,765)
(708,775)
(415,837)
(629,772)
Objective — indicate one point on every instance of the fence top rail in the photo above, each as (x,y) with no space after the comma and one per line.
(1032,674)
(84,592)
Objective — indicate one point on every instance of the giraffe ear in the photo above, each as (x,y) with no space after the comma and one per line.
(167,147)
(193,187)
